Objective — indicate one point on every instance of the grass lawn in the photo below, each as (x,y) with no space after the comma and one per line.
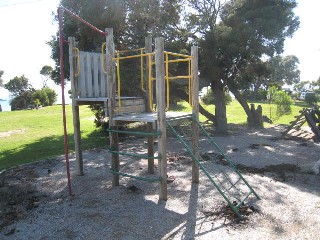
(38,134)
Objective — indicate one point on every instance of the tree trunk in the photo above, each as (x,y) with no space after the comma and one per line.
(220,104)
(184,96)
(254,116)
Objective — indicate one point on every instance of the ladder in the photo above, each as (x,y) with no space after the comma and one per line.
(225,177)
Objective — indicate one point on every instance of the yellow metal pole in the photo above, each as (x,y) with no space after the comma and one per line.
(141,69)
(119,86)
(78,61)
(102,60)
(150,83)
(167,80)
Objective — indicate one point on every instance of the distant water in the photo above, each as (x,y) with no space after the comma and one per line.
(5,105)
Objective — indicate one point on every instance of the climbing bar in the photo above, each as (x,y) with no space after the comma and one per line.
(63,9)
(78,61)
(158,133)
(134,155)
(179,77)
(177,54)
(245,198)
(132,56)
(119,84)
(136,177)
(178,60)
(190,84)
(131,50)
(194,158)
(141,70)
(103,49)
(167,81)
(225,157)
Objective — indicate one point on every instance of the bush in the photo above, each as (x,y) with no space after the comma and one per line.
(208,98)
(283,102)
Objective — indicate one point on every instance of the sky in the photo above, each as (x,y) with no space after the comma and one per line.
(26,26)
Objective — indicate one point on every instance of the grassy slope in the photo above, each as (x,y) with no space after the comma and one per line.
(42,131)
(41,134)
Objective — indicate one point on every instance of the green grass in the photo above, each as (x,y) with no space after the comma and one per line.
(38,134)
(236,114)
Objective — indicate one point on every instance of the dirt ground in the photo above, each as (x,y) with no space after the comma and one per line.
(35,203)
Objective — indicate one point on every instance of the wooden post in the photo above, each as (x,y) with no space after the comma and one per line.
(75,110)
(148,48)
(195,111)
(161,123)
(114,139)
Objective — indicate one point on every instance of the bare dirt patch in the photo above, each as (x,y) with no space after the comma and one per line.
(35,203)
(11,132)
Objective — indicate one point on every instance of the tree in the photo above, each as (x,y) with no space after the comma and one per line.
(45,96)
(101,14)
(22,91)
(302,86)
(46,72)
(284,70)
(18,85)
(247,31)
(52,95)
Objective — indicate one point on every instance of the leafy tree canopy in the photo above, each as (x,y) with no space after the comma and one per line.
(234,37)
(18,85)
(46,72)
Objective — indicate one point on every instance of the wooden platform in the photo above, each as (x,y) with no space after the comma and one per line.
(149,117)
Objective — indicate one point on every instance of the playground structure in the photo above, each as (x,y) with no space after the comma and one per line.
(93,80)
(309,115)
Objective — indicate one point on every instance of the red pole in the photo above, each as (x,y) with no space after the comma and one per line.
(62,9)
(61,41)
(63,101)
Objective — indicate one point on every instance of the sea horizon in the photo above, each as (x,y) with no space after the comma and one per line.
(5,105)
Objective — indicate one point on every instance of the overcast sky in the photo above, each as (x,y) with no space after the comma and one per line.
(26,25)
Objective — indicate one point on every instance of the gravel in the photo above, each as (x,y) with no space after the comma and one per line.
(35,203)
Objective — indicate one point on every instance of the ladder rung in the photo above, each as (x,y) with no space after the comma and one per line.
(136,177)
(134,155)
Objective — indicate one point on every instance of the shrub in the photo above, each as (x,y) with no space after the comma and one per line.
(283,102)
(208,98)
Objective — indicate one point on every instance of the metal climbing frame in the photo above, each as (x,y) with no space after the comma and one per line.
(223,174)
(129,154)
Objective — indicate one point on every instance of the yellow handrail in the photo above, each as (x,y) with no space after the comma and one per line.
(103,48)
(167,81)
(78,61)
(141,70)
(131,50)
(150,83)
(119,86)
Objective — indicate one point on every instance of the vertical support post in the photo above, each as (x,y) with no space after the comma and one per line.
(161,123)
(75,109)
(195,111)
(114,139)
(148,49)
